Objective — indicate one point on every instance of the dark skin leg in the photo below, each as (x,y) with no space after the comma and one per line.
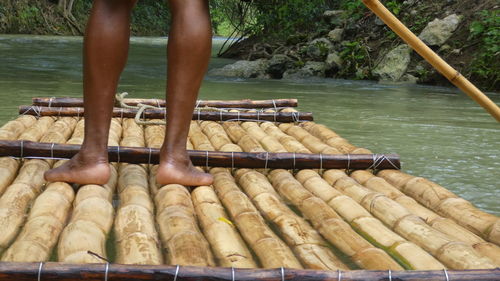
(106,48)
(189,48)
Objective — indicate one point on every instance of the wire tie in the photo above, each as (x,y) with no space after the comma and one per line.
(294,160)
(176,272)
(22,149)
(446,274)
(52,151)
(274,104)
(232,274)
(158,103)
(40,271)
(339,275)
(78,112)
(348,162)
(320,162)
(149,156)
(267,160)
(59,114)
(118,154)
(258,115)
(106,272)
(220,115)
(390,275)
(282,274)
(198,102)
(206,162)
(50,101)
(239,112)
(232,160)
(275,113)
(199,118)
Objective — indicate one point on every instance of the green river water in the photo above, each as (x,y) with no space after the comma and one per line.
(439,132)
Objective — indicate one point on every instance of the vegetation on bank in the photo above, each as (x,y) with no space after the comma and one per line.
(269,27)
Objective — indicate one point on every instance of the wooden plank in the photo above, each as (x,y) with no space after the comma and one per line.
(244,103)
(157,113)
(143,155)
(99,272)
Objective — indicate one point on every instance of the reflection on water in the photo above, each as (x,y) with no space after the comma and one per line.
(439,133)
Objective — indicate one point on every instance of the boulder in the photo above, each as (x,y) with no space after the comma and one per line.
(438,31)
(243,69)
(278,64)
(333,13)
(311,68)
(333,60)
(319,48)
(394,64)
(336,35)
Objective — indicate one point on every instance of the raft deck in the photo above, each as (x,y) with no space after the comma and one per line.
(270,222)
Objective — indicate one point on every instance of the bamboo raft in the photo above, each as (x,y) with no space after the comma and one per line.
(291,200)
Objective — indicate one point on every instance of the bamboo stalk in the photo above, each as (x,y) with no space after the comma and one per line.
(226,243)
(14,128)
(17,198)
(137,240)
(96,272)
(269,143)
(182,239)
(406,253)
(44,224)
(89,225)
(269,248)
(157,113)
(311,142)
(452,253)
(239,136)
(330,224)
(329,137)
(444,225)
(309,247)
(289,142)
(446,203)
(245,103)
(136,155)
(430,56)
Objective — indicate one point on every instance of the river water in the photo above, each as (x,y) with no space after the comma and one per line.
(439,132)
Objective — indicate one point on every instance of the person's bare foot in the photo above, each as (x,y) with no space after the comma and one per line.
(81,170)
(181,171)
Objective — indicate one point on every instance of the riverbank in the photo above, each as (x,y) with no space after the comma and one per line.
(354,44)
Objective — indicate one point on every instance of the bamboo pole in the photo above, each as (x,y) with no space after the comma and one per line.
(444,225)
(430,56)
(89,225)
(182,239)
(160,113)
(45,222)
(452,253)
(446,203)
(267,246)
(406,253)
(14,128)
(96,272)
(330,224)
(28,184)
(245,103)
(227,244)
(309,247)
(142,155)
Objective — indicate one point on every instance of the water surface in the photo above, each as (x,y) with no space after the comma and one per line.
(439,132)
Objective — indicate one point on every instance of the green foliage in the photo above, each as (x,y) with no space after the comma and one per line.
(150,17)
(487,29)
(355,56)
(354,8)
(394,6)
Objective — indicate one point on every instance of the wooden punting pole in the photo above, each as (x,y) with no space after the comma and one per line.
(99,272)
(160,113)
(434,59)
(143,155)
(245,103)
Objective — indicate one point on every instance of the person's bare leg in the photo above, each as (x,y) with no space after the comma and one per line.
(189,49)
(105,54)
